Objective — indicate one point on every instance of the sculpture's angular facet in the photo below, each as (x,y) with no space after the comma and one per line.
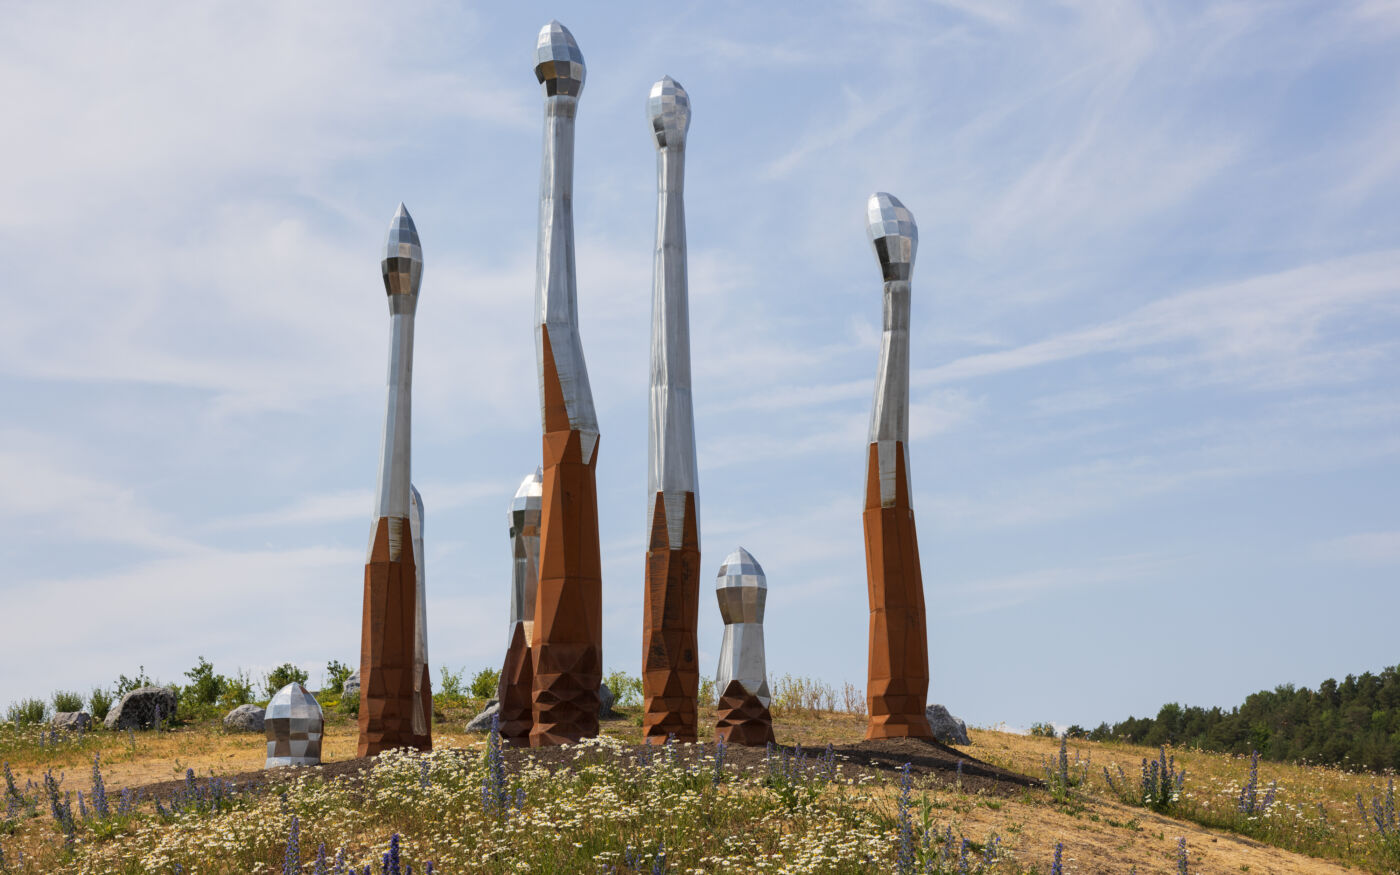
(897,683)
(294,726)
(670,611)
(395,692)
(523,519)
(742,679)
(558,61)
(566,647)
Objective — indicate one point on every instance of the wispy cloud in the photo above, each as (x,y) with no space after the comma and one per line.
(1365,548)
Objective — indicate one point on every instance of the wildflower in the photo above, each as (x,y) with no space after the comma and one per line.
(1056,868)
(291,864)
(1181,856)
(99,790)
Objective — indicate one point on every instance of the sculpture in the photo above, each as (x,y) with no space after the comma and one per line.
(294,726)
(566,648)
(516,675)
(395,691)
(897,685)
(742,678)
(670,667)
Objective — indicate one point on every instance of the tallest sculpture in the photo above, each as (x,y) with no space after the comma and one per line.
(897,687)
(395,694)
(670,666)
(567,640)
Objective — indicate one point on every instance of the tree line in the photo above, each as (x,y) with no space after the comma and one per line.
(1354,723)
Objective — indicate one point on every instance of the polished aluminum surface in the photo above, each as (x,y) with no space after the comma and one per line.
(559,67)
(402,267)
(294,725)
(420,601)
(742,591)
(671,468)
(895,237)
(524,519)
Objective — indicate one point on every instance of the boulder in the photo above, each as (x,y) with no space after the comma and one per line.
(72,721)
(245,718)
(946,728)
(482,721)
(605,703)
(142,708)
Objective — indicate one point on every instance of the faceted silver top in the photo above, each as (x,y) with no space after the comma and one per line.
(894,235)
(742,588)
(525,506)
(558,61)
(668,109)
(293,701)
(403,256)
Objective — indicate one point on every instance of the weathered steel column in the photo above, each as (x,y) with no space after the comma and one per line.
(897,687)
(670,611)
(567,648)
(742,678)
(395,694)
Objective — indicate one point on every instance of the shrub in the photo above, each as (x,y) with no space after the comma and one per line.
(205,687)
(284,674)
(1043,730)
(708,695)
(451,685)
(66,700)
(27,711)
(853,699)
(350,705)
(99,703)
(238,690)
(125,684)
(627,690)
(336,673)
(802,695)
(485,682)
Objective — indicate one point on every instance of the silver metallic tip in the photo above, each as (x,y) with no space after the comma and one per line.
(530,495)
(402,265)
(558,61)
(894,235)
(740,562)
(668,108)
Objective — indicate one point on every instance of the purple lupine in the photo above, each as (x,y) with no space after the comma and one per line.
(320,867)
(291,864)
(658,866)
(99,790)
(904,856)
(82,807)
(964,864)
(391,857)
(1249,793)
(1057,868)
(339,862)
(989,854)
(1181,856)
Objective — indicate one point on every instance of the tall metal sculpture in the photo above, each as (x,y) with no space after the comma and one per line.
(897,686)
(567,647)
(742,678)
(517,675)
(395,693)
(422,695)
(670,667)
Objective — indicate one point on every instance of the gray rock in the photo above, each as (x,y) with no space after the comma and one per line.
(140,709)
(946,728)
(72,721)
(482,721)
(245,718)
(605,703)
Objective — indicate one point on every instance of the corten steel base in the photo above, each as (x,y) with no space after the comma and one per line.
(670,612)
(517,678)
(386,645)
(742,718)
(568,637)
(897,689)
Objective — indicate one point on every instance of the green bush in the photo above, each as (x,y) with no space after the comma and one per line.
(205,687)
(237,691)
(1042,730)
(336,673)
(626,690)
(126,684)
(708,695)
(485,682)
(350,705)
(66,700)
(27,711)
(451,685)
(99,703)
(284,674)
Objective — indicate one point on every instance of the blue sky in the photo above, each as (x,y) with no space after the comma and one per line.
(1156,328)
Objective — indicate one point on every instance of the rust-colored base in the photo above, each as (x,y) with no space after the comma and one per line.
(386,650)
(897,687)
(670,612)
(567,645)
(742,718)
(517,678)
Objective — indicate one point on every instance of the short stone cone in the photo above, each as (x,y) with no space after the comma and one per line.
(517,678)
(742,718)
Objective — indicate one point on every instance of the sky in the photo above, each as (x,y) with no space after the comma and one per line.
(1155,444)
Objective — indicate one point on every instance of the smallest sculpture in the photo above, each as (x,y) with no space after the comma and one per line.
(294,727)
(517,675)
(742,679)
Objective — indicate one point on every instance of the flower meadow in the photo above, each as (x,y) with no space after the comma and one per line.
(609,808)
